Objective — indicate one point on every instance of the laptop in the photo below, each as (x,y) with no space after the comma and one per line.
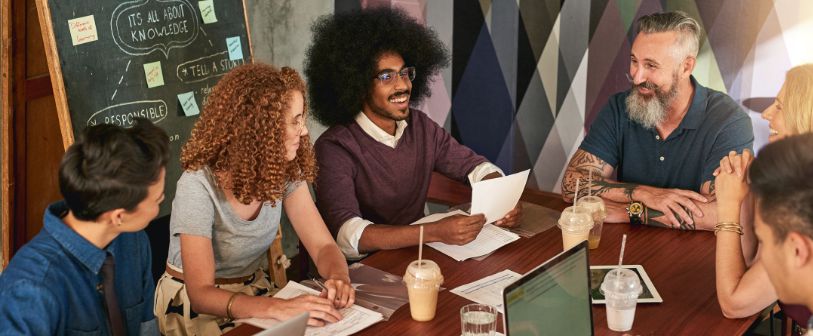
(292,327)
(552,299)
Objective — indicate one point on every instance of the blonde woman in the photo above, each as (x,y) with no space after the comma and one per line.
(741,290)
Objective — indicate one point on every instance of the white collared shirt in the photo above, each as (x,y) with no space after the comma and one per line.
(350,232)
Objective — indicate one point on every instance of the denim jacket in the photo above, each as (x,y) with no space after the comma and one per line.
(52,285)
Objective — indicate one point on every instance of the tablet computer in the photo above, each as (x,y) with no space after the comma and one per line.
(597,273)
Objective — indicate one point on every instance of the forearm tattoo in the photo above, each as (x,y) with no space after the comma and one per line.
(712,188)
(581,165)
(652,214)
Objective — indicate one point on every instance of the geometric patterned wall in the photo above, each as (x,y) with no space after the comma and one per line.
(527,76)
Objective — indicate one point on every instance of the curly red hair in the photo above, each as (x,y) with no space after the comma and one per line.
(241,133)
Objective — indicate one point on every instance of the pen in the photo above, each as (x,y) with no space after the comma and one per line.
(320,283)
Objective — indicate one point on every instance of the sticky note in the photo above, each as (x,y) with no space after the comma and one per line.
(207,11)
(188,103)
(83,30)
(235,48)
(152,71)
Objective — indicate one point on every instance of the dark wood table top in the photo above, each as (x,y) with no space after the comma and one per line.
(680,264)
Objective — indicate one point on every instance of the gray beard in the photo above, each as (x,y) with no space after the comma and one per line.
(649,112)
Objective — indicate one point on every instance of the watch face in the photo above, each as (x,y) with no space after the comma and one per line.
(636,208)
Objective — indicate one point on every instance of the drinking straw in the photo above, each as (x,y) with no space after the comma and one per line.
(621,255)
(590,184)
(576,197)
(420,245)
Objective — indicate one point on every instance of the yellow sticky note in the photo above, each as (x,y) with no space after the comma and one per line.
(207,11)
(153,74)
(83,30)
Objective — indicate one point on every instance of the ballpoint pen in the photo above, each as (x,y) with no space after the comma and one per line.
(320,283)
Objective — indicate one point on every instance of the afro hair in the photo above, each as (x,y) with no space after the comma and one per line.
(341,61)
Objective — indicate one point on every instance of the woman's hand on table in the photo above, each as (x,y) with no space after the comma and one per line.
(320,309)
(340,292)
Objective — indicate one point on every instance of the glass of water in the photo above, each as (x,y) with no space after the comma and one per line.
(478,320)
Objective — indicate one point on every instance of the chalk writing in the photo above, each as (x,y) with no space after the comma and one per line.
(123,114)
(144,26)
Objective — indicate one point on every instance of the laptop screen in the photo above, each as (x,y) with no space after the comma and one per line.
(553,299)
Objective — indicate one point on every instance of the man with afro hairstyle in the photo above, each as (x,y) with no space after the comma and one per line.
(376,159)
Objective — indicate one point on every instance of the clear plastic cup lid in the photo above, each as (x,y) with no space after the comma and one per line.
(427,270)
(621,283)
(591,202)
(576,218)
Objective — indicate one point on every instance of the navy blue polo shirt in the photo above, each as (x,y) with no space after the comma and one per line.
(713,126)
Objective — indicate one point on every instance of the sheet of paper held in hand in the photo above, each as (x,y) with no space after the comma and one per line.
(355,319)
(488,290)
(496,197)
(489,240)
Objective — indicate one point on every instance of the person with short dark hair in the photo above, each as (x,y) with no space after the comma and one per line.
(376,159)
(88,271)
(652,149)
(781,181)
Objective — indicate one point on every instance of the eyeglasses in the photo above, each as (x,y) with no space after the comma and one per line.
(299,124)
(388,76)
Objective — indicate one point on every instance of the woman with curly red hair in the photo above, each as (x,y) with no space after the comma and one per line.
(249,157)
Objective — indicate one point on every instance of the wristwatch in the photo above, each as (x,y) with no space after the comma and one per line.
(635,210)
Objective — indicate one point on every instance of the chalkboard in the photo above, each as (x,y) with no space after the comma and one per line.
(112,60)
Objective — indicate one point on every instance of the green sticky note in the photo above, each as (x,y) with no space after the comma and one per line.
(153,74)
(188,103)
(235,48)
(207,11)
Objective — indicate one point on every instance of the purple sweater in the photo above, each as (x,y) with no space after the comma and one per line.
(361,177)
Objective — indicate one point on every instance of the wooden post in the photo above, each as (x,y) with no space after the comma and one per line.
(5,158)
(277,261)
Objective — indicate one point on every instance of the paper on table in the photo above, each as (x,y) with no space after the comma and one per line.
(354,319)
(488,290)
(489,240)
(496,197)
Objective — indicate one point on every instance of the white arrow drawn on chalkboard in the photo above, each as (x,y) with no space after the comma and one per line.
(207,36)
(121,79)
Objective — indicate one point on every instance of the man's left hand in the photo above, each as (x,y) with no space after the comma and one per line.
(512,218)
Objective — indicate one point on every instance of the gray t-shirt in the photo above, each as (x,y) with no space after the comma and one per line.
(200,208)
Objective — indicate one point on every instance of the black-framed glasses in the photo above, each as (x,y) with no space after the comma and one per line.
(388,76)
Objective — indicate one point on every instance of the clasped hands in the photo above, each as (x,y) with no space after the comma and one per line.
(731,180)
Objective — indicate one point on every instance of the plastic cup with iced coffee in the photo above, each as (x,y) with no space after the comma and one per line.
(575,222)
(621,288)
(423,279)
(596,206)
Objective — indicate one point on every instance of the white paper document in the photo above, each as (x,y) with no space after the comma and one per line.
(489,240)
(488,290)
(496,197)
(356,318)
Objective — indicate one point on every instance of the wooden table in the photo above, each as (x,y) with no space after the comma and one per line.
(680,264)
